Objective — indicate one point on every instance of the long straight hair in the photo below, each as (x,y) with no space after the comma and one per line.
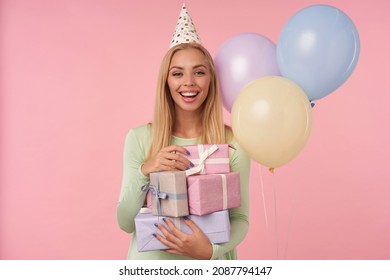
(214,131)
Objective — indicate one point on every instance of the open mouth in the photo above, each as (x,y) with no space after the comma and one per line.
(189,94)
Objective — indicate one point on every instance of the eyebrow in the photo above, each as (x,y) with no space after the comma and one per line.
(181,68)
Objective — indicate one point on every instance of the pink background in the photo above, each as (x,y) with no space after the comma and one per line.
(77,75)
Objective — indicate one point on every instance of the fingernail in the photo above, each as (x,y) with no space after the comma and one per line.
(192,164)
(164,220)
(156,225)
(185,218)
(187,168)
(187,152)
(154,234)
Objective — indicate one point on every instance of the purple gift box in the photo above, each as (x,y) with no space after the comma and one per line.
(215,226)
(208,159)
(213,192)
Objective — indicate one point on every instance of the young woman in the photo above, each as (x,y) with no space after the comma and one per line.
(188,111)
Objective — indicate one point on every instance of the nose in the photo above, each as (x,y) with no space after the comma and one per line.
(189,81)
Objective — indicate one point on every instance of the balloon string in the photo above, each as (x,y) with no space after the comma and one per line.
(292,211)
(276,219)
(262,194)
(289,226)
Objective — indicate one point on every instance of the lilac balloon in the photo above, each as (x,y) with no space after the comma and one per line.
(242,59)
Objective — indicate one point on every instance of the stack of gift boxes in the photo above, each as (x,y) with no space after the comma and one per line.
(203,193)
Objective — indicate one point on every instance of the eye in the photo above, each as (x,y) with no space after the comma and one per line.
(177,74)
(199,73)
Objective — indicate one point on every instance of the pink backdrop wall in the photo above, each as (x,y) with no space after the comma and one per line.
(76,75)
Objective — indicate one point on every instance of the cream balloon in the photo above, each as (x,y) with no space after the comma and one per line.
(271,120)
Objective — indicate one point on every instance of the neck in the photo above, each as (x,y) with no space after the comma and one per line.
(188,125)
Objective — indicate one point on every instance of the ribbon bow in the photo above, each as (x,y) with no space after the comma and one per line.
(155,191)
(159,195)
(202,159)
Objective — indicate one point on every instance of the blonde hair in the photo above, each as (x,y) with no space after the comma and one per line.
(214,130)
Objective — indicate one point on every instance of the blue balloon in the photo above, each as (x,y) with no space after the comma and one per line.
(318,49)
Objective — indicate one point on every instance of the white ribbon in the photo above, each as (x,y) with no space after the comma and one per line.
(224,192)
(211,160)
(203,156)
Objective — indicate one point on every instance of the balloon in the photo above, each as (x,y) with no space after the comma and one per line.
(318,49)
(242,59)
(271,120)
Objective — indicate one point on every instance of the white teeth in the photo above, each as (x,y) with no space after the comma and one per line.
(189,94)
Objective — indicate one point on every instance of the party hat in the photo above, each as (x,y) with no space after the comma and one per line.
(185,31)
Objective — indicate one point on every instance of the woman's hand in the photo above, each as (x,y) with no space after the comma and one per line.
(167,159)
(195,245)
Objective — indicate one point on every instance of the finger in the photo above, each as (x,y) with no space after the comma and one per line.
(175,231)
(163,167)
(164,240)
(171,163)
(176,148)
(175,237)
(191,224)
(168,235)
(185,162)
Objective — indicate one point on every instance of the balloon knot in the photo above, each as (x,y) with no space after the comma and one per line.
(271,169)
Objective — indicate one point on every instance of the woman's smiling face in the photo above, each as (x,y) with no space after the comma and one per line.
(189,79)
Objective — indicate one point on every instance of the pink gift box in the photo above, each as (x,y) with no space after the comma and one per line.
(208,159)
(213,192)
(167,194)
(215,226)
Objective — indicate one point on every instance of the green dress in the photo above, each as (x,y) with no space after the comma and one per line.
(131,199)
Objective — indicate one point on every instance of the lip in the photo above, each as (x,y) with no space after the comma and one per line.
(189,93)
(190,98)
